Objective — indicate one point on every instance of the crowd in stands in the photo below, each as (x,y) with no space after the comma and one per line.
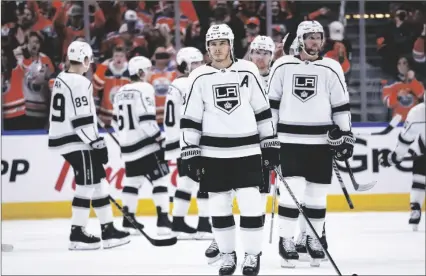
(401,46)
(36,34)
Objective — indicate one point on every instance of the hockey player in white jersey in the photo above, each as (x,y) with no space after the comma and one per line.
(262,50)
(73,134)
(310,108)
(141,151)
(188,59)
(226,132)
(414,128)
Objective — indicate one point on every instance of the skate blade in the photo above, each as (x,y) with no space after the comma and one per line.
(214,260)
(164,231)
(84,246)
(204,236)
(112,243)
(315,262)
(183,236)
(287,263)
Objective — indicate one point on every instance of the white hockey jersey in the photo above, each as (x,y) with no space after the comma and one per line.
(414,128)
(172,116)
(135,123)
(226,111)
(306,98)
(72,114)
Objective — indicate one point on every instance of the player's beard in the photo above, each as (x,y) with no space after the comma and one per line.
(313,51)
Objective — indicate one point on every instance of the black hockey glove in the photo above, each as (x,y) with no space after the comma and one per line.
(270,147)
(341,143)
(190,164)
(100,150)
(388,159)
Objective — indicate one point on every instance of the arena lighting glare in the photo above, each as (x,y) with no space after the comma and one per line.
(367,16)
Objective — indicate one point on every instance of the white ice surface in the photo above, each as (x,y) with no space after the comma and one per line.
(362,243)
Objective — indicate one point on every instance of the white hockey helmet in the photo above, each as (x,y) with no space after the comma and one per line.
(78,51)
(307,27)
(262,42)
(220,31)
(294,49)
(138,64)
(336,30)
(188,55)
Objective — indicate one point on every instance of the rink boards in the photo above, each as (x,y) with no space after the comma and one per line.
(37,183)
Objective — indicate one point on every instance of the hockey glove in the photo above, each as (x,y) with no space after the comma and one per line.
(270,147)
(341,143)
(100,150)
(388,159)
(190,164)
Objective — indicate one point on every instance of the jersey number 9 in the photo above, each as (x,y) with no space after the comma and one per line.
(58,105)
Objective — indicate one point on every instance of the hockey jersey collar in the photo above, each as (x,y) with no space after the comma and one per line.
(307,61)
(232,63)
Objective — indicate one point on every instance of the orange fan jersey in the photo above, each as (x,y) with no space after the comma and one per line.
(114,39)
(402,96)
(161,81)
(106,82)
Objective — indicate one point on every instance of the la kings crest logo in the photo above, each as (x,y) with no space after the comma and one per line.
(305,87)
(227,97)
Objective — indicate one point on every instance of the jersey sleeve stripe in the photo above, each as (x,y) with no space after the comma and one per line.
(172,146)
(187,123)
(341,108)
(62,141)
(307,130)
(228,142)
(82,121)
(266,114)
(337,75)
(72,98)
(274,104)
(403,141)
(144,118)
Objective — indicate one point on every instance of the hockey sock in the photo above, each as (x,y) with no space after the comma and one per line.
(223,223)
(100,202)
(417,194)
(160,194)
(131,191)
(287,209)
(203,204)
(251,219)
(182,197)
(315,205)
(81,205)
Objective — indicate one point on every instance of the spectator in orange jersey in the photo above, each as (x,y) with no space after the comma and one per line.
(70,24)
(337,47)
(161,76)
(403,93)
(108,78)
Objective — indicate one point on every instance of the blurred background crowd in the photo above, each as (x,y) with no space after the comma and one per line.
(382,52)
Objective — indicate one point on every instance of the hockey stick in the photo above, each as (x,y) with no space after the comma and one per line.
(278,172)
(359,187)
(392,124)
(155,242)
(6,247)
(274,199)
(342,185)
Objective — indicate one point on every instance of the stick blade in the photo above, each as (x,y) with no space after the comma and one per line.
(164,242)
(366,187)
